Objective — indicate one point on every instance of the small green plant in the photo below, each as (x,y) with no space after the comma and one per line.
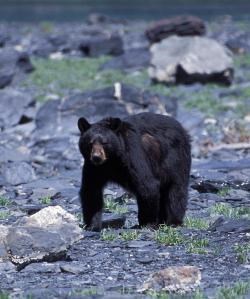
(228,211)
(4,215)
(108,235)
(129,235)
(168,235)
(88,292)
(164,295)
(242,60)
(112,206)
(206,102)
(197,246)
(237,291)
(242,253)
(223,191)
(4,201)
(46,200)
(47,26)
(197,223)
(4,295)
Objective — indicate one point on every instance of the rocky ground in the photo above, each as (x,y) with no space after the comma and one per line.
(50,74)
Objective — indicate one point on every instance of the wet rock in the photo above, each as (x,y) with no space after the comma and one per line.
(190,59)
(139,244)
(16,173)
(230,225)
(179,279)
(44,236)
(12,62)
(12,154)
(113,221)
(131,59)
(180,25)
(73,268)
(118,101)
(239,44)
(13,106)
(4,230)
(47,117)
(40,47)
(42,268)
(95,46)
(3,38)
(6,267)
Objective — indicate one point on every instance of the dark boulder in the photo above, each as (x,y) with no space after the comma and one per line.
(95,46)
(132,59)
(180,25)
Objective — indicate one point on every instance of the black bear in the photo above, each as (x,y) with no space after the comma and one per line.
(148,154)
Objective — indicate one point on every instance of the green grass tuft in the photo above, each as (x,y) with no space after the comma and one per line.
(237,291)
(108,235)
(242,253)
(4,215)
(168,235)
(223,191)
(197,246)
(4,201)
(129,235)
(46,200)
(228,211)
(197,223)
(111,206)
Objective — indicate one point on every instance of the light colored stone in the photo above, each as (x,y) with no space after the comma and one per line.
(190,59)
(179,279)
(44,236)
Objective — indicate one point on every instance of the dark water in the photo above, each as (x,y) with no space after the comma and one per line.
(67,10)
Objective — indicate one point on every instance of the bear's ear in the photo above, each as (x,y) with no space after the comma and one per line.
(83,124)
(114,123)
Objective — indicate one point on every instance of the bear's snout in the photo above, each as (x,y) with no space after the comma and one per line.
(98,155)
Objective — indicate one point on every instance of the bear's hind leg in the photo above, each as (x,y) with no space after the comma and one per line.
(173,204)
(148,205)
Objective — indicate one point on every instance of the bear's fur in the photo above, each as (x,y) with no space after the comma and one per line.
(147,154)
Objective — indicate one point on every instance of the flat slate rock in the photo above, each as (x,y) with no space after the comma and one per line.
(230,225)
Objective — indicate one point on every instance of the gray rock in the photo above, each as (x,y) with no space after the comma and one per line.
(17,173)
(190,59)
(131,59)
(73,268)
(139,244)
(13,106)
(180,25)
(113,221)
(12,62)
(94,46)
(61,117)
(44,236)
(230,225)
(4,230)
(42,268)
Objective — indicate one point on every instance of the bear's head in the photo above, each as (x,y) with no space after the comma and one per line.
(100,142)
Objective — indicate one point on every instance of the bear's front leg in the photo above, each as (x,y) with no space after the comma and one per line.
(92,202)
